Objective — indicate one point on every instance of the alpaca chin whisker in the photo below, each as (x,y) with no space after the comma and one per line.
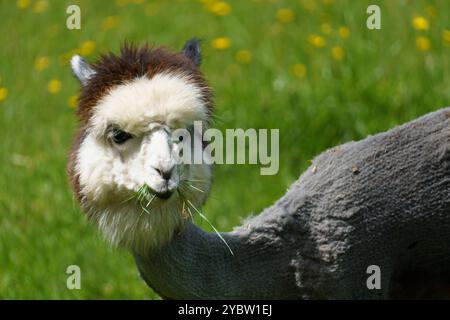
(144,222)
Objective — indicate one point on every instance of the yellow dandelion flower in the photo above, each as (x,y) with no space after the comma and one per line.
(299,70)
(344,32)
(338,53)
(446,37)
(152,9)
(423,44)
(317,41)
(110,22)
(420,23)
(285,15)
(220,8)
(3,93)
(54,86)
(23,4)
(72,102)
(40,6)
(41,63)
(221,43)
(87,48)
(121,3)
(326,28)
(244,56)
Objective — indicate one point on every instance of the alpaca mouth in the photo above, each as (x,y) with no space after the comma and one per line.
(145,195)
(164,195)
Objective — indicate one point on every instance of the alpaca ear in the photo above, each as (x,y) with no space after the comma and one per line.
(192,50)
(81,69)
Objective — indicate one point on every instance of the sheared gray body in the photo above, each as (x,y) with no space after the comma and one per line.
(381,201)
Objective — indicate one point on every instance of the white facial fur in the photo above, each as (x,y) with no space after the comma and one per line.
(110,174)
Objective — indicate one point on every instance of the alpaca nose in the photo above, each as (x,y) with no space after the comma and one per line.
(165,173)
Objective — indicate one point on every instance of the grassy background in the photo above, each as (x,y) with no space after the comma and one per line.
(310,68)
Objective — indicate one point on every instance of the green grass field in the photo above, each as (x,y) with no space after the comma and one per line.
(310,68)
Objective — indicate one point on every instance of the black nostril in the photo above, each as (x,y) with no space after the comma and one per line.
(165,174)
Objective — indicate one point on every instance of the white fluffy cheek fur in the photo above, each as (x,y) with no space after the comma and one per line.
(103,177)
(106,182)
(94,166)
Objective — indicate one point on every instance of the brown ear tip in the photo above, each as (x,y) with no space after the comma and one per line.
(192,50)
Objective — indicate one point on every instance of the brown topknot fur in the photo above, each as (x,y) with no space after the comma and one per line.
(112,70)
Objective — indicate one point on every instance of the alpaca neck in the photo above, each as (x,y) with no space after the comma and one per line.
(197,264)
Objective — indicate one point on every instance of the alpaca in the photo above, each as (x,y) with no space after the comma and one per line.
(128,107)
(382,201)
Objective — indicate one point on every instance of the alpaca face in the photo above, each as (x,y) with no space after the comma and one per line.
(127,145)
(130,142)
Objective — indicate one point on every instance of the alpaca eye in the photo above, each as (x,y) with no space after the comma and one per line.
(120,136)
(177,139)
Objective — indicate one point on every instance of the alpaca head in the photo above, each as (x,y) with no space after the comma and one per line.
(123,165)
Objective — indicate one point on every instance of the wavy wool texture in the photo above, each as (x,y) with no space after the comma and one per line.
(381,201)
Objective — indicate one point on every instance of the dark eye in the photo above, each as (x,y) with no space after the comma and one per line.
(120,136)
(180,138)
